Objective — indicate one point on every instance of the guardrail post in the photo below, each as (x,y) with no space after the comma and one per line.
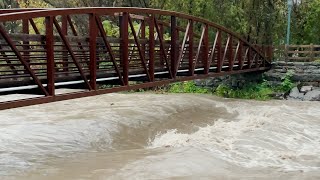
(124,46)
(312,52)
(174,47)
(50,56)
(93,50)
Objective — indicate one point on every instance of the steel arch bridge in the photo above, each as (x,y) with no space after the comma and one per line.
(42,50)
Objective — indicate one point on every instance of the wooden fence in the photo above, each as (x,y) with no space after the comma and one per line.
(297,53)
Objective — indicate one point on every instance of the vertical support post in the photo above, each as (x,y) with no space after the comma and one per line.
(64,29)
(286,55)
(124,46)
(93,51)
(270,53)
(151,47)
(205,54)
(231,54)
(312,52)
(26,47)
(50,56)
(191,63)
(174,47)
(219,52)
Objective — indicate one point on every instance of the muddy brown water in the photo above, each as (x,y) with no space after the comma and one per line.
(151,136)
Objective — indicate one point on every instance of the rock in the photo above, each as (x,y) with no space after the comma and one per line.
(279,96)
(312,95)
(295,94)
(305,89)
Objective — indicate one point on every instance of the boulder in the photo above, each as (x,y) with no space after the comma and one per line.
(295,94)
(313,95)
(305,89)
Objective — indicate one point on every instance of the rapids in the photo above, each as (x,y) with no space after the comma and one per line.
(152,136)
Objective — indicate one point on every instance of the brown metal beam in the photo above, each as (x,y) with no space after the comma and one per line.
(205,53)
(62,97)
(124,50)
(190,48)
(230,52)
(50,56)
(219,52)
(151,47)
(93,50)
(174,46)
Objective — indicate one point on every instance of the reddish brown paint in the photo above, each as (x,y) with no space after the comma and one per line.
(143,58)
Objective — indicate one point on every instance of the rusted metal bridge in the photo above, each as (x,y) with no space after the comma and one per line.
(42,50)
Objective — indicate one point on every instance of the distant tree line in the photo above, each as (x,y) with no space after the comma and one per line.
(259,21)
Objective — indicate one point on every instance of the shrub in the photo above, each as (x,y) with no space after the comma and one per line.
(187,87)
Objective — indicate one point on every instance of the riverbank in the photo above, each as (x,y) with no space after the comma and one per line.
(262,91)
(246,87)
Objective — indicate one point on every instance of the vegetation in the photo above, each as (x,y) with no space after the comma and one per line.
(187,87)
(259,91)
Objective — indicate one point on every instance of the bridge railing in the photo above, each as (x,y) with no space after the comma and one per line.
(50,46)
(297,53)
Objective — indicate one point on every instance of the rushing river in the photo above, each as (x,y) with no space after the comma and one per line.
(149,136)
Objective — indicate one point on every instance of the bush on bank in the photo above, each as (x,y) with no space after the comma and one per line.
(258,90)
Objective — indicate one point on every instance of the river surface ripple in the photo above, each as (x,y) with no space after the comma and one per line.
(150,136)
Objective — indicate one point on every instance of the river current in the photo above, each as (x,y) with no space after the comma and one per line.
(159,136)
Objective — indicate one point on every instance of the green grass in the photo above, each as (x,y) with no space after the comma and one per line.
(187,87)
(258,91)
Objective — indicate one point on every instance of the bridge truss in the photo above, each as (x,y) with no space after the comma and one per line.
(42,50)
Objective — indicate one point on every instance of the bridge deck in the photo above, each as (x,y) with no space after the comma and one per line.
(42,50)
